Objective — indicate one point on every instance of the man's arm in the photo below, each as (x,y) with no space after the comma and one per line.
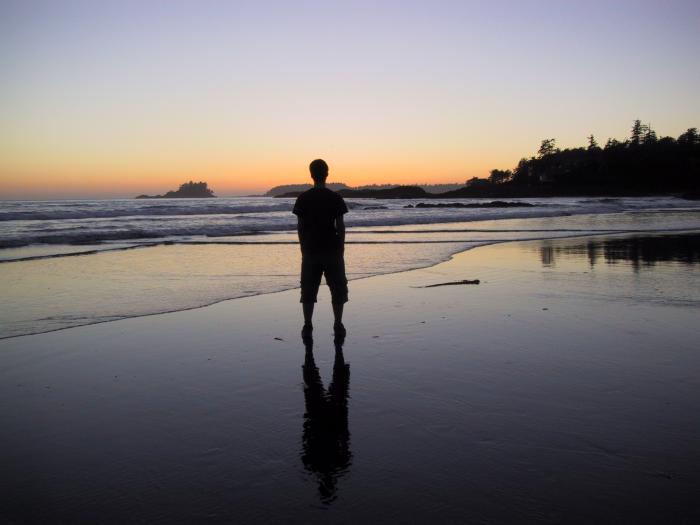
(300,229)
(340,228)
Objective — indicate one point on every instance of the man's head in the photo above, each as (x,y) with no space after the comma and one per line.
(319,170)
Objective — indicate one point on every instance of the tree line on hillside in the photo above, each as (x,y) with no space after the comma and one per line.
(644,163)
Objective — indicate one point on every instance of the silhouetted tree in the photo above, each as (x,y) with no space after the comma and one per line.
(690,137)
(636,134)
(548,147)
(648,134)
(192,189)
(500,176)
(521,173)
(612,143)
(644,164)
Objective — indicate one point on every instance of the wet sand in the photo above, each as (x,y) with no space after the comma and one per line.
(561,389)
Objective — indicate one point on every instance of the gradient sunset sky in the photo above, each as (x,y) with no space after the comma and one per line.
(101,98)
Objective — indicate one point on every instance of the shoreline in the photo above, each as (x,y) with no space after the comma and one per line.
(582,232)
(124,223)
(483,244)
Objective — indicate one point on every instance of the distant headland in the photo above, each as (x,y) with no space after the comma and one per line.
(287,190)
(643,164)
(188,190)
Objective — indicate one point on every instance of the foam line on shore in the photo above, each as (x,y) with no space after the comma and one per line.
(575,233)
(476,244)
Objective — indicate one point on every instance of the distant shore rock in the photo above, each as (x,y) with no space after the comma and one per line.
(289,195)
(492,204)
(487,190)
(294,190)
(188,190)
(397,192)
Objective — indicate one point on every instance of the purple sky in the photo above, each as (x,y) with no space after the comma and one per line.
(99,93)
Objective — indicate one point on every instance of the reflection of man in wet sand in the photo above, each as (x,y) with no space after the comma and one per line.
(325,440)
(321,231)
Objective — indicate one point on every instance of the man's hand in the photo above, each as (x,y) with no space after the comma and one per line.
(340,228)
(300,232)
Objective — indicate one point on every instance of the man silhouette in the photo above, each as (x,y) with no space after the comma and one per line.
(321,232)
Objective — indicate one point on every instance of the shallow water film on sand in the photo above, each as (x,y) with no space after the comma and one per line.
(71,263)
(560,389)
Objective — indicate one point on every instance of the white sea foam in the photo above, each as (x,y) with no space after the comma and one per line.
(145,263)
(28,223)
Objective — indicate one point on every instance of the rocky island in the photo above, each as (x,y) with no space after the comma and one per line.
(188,190)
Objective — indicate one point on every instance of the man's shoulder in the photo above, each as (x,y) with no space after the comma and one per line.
(308,192)
(319,197)
(333,194)
(300,203)
(320,193)
(339,200)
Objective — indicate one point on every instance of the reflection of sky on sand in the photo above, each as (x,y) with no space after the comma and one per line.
(562,391)
(637,252)
(633,267)
(48,294)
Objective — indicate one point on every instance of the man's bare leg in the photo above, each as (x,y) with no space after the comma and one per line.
(308,312)
(338,312)
(308,309)
(338,327)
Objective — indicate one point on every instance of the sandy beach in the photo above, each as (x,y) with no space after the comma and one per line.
(561,389)
(510,191)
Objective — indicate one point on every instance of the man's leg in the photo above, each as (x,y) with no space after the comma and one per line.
(311,271)
(338,284)
(309,312)
(338,327)
(337,312)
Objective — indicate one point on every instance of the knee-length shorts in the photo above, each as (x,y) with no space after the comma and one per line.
(332,265)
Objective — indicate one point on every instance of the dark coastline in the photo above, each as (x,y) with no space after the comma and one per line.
(175,197)
(642,165)
(495,192)
(188,190)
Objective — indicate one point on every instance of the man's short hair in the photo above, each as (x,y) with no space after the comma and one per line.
(318,169)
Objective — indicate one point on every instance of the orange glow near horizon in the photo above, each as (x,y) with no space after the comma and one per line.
(116,99)
(98,155)
(63,177)
(238,180)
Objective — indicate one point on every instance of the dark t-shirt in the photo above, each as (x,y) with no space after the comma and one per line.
(319,207)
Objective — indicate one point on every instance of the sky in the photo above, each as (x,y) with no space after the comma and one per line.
(117,98)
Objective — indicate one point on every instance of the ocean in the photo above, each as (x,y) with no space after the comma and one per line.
(67,263)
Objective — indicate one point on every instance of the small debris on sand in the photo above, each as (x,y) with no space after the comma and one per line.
(453,283)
